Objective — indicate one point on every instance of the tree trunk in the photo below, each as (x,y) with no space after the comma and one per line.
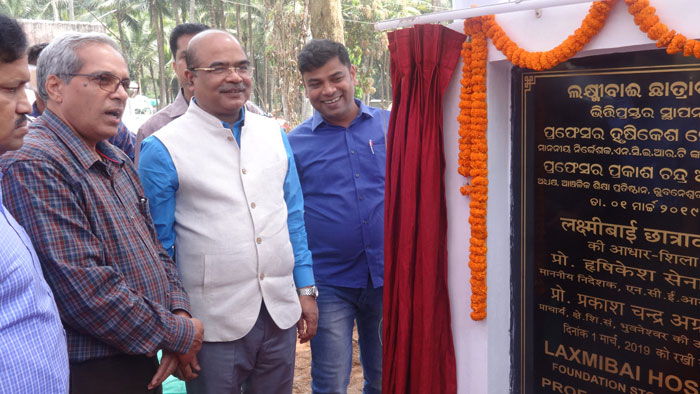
(251,44)
(142,89)
(238,22)
(266,86)
(71,10)
(220,16)
(54,8)
(121,35)
(157,23)
(327,20)
(153,80)
(192,15)
(176,14)
(212,14)
(385,80)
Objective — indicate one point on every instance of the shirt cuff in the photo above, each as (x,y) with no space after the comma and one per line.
(303,276)
(181,335)
(179,300)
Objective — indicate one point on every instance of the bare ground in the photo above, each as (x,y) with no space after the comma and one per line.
(302,369)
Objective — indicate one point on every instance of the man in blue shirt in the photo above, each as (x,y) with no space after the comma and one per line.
(32,340)
(225,197)
(341,158)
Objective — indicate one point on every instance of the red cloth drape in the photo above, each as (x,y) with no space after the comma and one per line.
(418,353)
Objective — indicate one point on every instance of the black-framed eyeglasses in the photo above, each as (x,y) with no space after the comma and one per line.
(242,70)
(110,82)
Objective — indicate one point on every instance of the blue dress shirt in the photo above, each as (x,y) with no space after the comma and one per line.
(158,173)
(342,176)
(32,339)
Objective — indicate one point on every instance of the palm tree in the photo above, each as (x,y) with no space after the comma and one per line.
(141,52)
(16,8)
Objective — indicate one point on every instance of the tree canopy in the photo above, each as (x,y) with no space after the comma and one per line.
(271,31)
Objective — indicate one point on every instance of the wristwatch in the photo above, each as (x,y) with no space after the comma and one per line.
(309,291)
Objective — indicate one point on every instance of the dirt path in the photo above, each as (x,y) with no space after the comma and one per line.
(302,370)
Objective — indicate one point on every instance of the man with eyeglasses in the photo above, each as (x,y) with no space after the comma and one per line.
(117,291)
(32,340)
(223,188)
(124,139)
(179,38)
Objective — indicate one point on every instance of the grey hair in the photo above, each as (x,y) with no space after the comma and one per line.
(60,57)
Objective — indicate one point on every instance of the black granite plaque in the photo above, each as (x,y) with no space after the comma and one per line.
(606,180)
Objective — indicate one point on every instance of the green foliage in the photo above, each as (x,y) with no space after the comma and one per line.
(368,48)
(279,28)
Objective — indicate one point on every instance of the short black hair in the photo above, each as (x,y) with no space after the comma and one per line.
(316,53)
(184,29)
(13,42)
(34,51)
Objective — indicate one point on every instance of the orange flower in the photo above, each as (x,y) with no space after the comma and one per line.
(473,116)
(645,17)
(473,156)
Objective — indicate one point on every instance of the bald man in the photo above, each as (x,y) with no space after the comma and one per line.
(225,196)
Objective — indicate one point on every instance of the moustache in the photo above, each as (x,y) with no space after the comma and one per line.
(232,86)
(21,121)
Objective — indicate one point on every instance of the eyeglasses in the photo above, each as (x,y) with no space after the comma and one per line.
(242,71)
(110,82)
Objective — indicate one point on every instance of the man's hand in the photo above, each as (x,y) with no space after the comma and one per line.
(308,323)
(188,368)
(168,363)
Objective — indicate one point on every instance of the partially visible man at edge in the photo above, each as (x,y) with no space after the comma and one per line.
(32,339)
(80,199)
(124,139)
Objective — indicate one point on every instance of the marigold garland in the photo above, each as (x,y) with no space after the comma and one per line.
(645,17)
(473,156)
(590,26)
(473,121)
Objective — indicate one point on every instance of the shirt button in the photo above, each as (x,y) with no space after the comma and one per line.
(357,175)
(229,138)
(252,205)
(244,171)
(362,198)
(352,152)
(364,222)
(259,240)
(262,276)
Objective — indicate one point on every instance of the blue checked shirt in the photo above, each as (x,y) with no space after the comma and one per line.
(114,285)
(32,340)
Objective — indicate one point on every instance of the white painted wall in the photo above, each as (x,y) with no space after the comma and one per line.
(483,348)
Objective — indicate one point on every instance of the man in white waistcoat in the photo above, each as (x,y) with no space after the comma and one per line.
(224,190)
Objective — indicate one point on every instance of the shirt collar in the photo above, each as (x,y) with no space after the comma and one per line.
(317,119)
(85,156)
(180,104)
(238,123)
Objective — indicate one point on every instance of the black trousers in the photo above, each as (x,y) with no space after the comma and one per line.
(121,374)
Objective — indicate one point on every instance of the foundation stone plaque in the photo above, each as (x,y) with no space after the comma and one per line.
(606,224)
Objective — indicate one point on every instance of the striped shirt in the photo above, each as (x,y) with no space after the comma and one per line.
(32,340)
(114,285)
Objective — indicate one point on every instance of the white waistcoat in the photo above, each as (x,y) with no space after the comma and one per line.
(232,242)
